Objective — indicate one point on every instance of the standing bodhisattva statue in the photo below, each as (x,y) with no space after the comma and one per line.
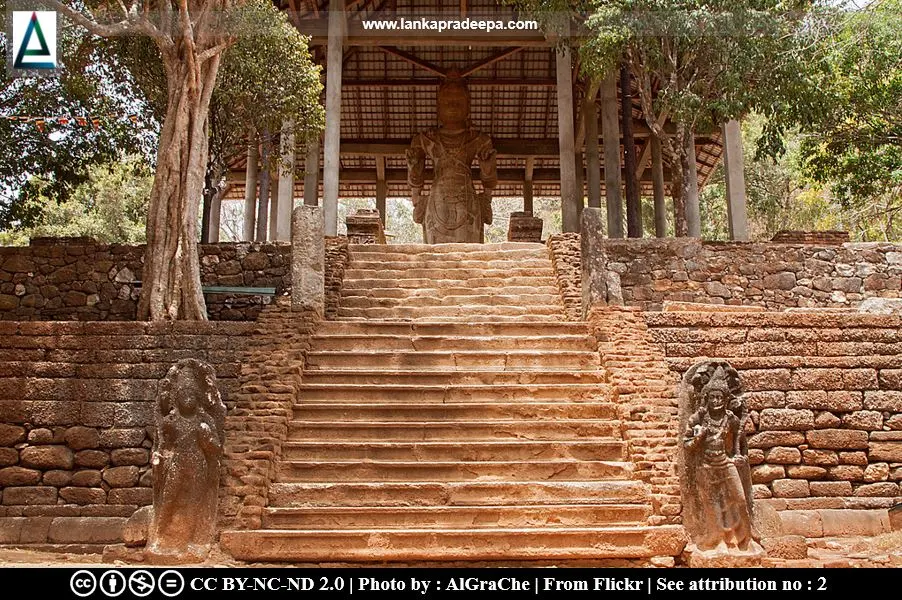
(716,481)
(453,211)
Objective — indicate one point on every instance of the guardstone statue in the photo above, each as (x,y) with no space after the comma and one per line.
(453,211)
(715,476)
(190,422)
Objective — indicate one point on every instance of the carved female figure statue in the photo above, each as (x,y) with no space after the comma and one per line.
(188,446)
(716,480)
(453,211)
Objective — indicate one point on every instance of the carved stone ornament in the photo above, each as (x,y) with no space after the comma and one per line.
(715,477)
(452,211)
(190,421)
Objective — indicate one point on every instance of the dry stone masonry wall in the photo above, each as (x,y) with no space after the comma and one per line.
(76,418)
(565,257)
(336,250)
(776,276)
(825,395)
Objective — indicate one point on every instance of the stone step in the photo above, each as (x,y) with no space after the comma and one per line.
(471,318)
(456,493)
(449,272)
(560,470)
(469,431)
(475,283)
(454,360)
(463,449)
(466,313)
(406,545)
(448,413)
(434,517)
(413,263)
(461,304)
(445,248)
(461,291)
(484,327)
(448,377)
(434,343)
(360,393)
(389,254)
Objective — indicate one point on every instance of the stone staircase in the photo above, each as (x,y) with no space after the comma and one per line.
(451,415)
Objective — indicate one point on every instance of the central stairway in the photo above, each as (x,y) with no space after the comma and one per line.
(449,414)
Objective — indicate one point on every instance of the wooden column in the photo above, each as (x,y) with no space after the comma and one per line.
(610,132)
(690,192)
(527,185)
(633,201)
(593,160)
(381,188)
(282,228)
(571,200)
(657,179)
(215,215)
(263,204)
(250,188)
(311,174)
(734,165)
(331,158)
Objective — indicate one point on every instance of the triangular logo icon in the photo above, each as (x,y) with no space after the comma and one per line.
(34,28)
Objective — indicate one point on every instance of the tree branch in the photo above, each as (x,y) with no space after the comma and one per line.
(131,24)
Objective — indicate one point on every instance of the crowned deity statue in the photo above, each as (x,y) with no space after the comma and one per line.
(452,211)
(716,479)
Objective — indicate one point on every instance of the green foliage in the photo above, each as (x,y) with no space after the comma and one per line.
(110,206)
(59,157)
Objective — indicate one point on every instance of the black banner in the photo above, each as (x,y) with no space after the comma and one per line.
(206,583)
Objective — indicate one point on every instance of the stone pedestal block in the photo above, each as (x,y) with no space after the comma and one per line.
(524,228)
(307,259)
(365,227)
(594,273)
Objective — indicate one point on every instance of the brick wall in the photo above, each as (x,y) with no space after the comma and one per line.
(649,272)
(76,419)
(825,395)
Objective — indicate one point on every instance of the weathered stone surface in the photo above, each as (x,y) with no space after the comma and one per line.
(594,274)
(770,439)
(29,495)
(885,451)
(86,530)
(790,488)
(134,534)
(57,478)
(19,476)
(307,259)
(787,547)
(11,434)
(786,419)
(120,477)
(87,478)
(187,450)
(82,438)
(783,456)
(130,456)
(47,457)
(92,459)
(837,439)
(831,488)
(876,472)
(867,420)
(83,495)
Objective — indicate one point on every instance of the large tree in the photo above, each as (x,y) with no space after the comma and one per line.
(191,37)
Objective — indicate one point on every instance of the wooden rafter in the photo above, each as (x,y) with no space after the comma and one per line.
(463,9)
(490,60)
(431,82)
(413,59)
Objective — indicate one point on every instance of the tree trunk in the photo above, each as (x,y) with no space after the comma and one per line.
(680,227)
(171,288)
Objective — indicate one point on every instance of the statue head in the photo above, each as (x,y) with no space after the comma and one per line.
(453,100)
(716,392)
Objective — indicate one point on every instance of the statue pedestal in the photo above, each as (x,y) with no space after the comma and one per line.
(365,227)
(720,558)
(524,228)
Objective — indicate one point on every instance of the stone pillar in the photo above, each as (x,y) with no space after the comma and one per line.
(286,185)
(593,160)
(381,188)
(610,132)
(734,165)
(331,147)
(657,178)
(265,181)
(594,284)
(274,197)
(527,186)
(631,185)
(250,189)
(311,174)
(571,198)
(307,259)
(216,215)
(693,210)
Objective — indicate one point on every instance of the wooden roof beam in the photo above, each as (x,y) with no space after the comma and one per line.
(486,62)
(478,82)
(413,59)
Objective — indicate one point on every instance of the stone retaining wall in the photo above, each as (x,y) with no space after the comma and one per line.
(76,419)
(825,395)
(565,258)
(88,281)
(648,272)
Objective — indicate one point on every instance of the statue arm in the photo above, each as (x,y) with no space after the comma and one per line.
(488,171)
(416,169)
(694,432)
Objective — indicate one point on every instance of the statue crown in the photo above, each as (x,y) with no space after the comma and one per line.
(718,382)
